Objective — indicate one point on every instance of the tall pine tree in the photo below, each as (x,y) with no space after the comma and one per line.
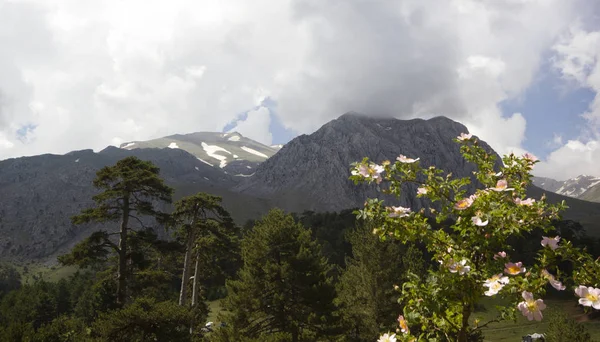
(366,297)
(284,290)
(129,190)
(201,220)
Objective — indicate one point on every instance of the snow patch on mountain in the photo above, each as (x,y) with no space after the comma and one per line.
(205,162)
(255,152)
(573,187)
(173,145)
(212,150)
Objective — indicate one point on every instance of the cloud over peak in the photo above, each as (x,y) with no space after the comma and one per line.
(87,74)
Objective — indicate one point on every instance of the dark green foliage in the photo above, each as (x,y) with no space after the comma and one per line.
(145,319)
(562,328)
(210,238)
(92,251)
(99,296)
(10,279)
(131,179)
(330,230)
(129,190)
(284,285)
(366,296)
(62,329)
(37,304)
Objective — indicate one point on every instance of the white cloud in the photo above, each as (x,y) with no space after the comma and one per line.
(573,159)
(578,60)
(256,126)
(87,74)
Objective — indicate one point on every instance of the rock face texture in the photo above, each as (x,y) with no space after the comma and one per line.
(574,187)
(314,169)
(41,193)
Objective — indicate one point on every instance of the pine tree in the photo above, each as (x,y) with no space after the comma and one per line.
(284,287)
(200,218)
(366,295)
(129,189)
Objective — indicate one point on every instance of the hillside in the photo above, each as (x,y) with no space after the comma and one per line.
(316,167)
(311,172)
(574,187)
(592,194)
(41,193)
(232,152)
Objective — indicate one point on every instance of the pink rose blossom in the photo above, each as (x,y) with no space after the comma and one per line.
(531,308)
(404,159)
(551,242)
(464,136)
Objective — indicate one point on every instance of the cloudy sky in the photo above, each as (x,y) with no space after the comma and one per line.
(524,75)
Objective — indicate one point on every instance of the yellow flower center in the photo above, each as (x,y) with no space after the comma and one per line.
(531,305)
(462,204)
(403,325)
(514,269)
(591,297)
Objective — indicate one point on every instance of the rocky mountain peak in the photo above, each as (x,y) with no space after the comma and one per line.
(316,167)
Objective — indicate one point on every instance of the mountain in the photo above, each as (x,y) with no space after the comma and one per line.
(574,187)
(592,194)
(41,193)
(313,170)
(232,152)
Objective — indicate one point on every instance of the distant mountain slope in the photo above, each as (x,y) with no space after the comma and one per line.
(585,212)
(574,187)
(41,193)
(311,171)
(591,194)
(316,167)
(232,152)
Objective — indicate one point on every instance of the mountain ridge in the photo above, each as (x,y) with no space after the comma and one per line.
(310,172)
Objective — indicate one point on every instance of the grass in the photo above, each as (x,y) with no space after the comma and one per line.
(48,273)
(214,310)
(513,331)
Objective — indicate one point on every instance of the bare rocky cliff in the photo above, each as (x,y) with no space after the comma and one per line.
(313,170)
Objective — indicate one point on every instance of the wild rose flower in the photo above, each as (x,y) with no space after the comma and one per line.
(403,324)
(493,289)
(501,185)
(371,171)
(460,267)
(399,212)
(527,202)
(514,268)
(464,136)
(589,296)
(404,159)
(531,308)
(421,191)
(387,338)
(555,283)
(551,242)
(478,222)
(530,157)
(500,255)
(497,278)
(463,203)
